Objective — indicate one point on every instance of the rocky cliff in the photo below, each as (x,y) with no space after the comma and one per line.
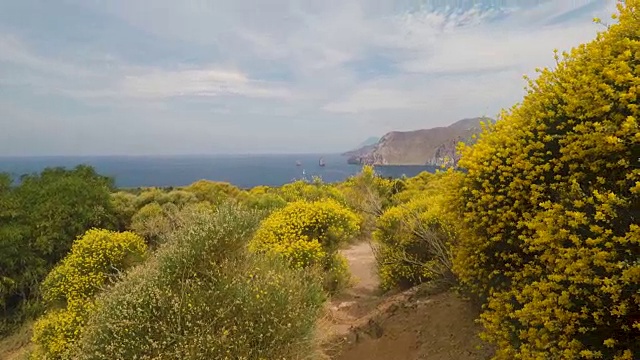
(435,146)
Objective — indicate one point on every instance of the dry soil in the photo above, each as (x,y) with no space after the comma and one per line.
(426,322)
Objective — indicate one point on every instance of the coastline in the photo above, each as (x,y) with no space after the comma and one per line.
(243,171)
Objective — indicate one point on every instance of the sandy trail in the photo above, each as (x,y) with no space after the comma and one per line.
(362,265)
(421,323)
(357,301)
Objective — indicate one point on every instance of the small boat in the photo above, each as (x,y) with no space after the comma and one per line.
(298,163)
(321,162)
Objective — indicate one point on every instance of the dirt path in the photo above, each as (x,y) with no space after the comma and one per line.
(362,265)
(421,323)
(357,301)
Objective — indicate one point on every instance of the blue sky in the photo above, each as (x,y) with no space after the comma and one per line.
(99,77)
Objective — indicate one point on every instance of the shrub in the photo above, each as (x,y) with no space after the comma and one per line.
(150,195)
(369,195)
(314,191)
(162,196)
(413,240)
(96,260)
(264,198)
(124,207)
(202,296)
(214,192)
(153,221)
(414,187)
(552,199)
(307,234)
(162,212)
(39,219)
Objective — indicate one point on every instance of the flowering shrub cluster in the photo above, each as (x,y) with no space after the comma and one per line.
(414,238)
(214,192)
(552,199)
(264,198)
(40,217)
(413,187)
(309,191)
(307,234)
(154,221)
(369,195)
(95,260)
(201,295)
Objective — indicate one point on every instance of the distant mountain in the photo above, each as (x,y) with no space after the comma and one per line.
(370,141)
(435,146)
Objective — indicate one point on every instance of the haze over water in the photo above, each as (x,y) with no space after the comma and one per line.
(244,171)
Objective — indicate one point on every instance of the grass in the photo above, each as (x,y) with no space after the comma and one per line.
(17,345)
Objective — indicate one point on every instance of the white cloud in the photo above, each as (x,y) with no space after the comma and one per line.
(126,81)
(278,67)
(14,51)
(448,68)
(197,82)
(372,99)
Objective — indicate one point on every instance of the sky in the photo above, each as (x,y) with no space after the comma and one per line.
(134,77)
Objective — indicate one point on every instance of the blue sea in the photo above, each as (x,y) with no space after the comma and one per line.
(244,171)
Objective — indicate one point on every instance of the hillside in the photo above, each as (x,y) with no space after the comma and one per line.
(419,147)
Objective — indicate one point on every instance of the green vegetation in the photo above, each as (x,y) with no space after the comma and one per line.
(218,298)
(415,236)
(203,296)
(309,234)
(369,195)
(551,202)
(96,259)
(541,227)
(39,220)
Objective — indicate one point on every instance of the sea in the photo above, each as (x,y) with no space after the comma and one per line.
(244,171)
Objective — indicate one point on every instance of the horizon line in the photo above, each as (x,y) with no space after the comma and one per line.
(172,155)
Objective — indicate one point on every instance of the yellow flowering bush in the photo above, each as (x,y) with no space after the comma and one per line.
(413,239)
(369,195)
(95,261)
(214,192)
(309,191)
(413,187)
(551,200)
(141,212)
(307,233)
(202,295)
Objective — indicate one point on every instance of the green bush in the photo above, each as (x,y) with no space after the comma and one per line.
(95,261)
(413,187)
(202,296)
(308,234)
(39,220)
(264,198)
(214,192)
(552,198)
(310,191)
(124,207)
(414,239)
(369,195)
(154,221)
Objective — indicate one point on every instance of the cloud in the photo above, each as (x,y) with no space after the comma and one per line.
(469,60)
(200,82)
(257,76)
(13,51)
(120,80)
(371,99)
